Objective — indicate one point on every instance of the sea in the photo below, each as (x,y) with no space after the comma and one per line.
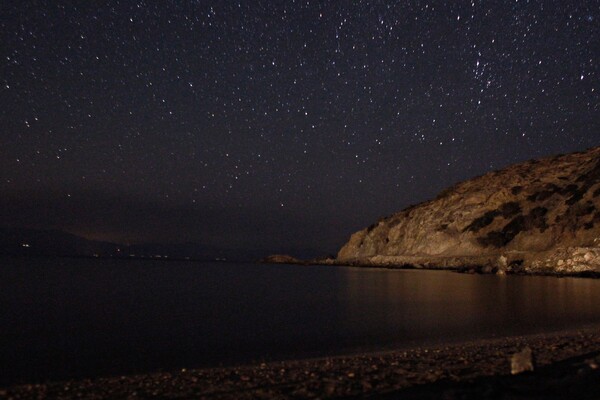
(63,318)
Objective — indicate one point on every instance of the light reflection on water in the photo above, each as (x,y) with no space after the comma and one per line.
(64,318)
(444,305)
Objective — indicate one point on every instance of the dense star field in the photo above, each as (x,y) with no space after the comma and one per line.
(278,124)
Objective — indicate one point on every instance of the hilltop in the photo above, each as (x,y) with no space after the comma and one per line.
(537,216)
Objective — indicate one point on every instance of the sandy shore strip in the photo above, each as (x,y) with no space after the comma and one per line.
(566,363)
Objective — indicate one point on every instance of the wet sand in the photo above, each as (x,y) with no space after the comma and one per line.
(566,366)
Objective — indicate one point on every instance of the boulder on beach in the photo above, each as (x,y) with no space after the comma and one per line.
(521,361)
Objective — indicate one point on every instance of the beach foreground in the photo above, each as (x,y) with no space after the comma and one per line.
(565,364)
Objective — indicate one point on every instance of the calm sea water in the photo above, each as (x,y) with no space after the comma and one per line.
(62,318)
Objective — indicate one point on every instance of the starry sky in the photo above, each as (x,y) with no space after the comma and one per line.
(283,124)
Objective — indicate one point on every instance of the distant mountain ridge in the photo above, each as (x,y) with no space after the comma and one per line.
(23,241)
(537,215)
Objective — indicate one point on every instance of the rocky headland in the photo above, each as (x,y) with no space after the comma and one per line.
(287,259)
(540,216)
(281,259)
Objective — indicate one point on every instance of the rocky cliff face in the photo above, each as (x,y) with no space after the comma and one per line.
(540,214)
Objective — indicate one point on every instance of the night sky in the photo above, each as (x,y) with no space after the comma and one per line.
(278,124)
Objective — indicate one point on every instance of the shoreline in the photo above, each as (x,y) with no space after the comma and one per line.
(581,262)
(467,269)
(563,360)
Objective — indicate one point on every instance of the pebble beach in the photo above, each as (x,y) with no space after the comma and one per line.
(564,364)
